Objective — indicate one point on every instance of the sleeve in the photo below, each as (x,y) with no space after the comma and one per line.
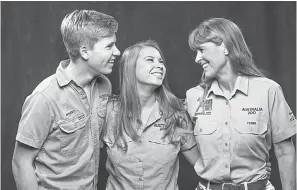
(193,99)
(187,139)
(282,120)
(110,120)
(36,121)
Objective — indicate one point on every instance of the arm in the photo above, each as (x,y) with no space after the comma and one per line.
(191,155)
(36,121)
(285,154)
(22,166)
(189,147)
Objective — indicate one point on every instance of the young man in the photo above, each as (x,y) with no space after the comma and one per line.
(57,144)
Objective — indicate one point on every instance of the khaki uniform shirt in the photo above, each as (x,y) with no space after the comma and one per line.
(151,164)
(235,133)
(58,120)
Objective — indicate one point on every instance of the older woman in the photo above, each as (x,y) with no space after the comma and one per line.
(239,114)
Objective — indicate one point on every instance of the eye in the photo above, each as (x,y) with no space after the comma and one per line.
(201,50)
(109,46)
(150,60)
(161,61)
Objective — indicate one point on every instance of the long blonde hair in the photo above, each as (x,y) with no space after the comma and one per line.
(218,31)
(129,104)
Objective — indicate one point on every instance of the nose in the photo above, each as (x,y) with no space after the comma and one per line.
(198,56)
(116,52)
(160,66)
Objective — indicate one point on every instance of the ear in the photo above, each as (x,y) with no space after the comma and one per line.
(83,50)
(224,48)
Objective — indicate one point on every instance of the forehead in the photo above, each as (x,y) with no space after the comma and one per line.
(206,45)
(107,40)
(149,51)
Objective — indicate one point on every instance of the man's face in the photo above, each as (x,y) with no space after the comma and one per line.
(102,56)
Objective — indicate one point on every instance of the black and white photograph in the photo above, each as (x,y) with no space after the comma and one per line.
(148,95)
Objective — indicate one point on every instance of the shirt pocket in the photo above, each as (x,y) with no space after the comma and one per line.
(161,150)
(73,136)
(207,139)
(117,154)
(251,136)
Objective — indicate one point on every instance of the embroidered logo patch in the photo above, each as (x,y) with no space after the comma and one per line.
(252,110)
(208,105)
(205,108)
(70,113)
(292,117)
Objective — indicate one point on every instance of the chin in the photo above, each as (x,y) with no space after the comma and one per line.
(157,84)
(106,72)
(209,76)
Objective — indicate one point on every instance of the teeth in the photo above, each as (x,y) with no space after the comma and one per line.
(158,74)
(205,65)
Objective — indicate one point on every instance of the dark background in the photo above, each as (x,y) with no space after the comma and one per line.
(32,48)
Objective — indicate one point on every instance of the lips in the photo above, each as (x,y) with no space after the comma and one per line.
(111,60)
(203,63)
(157,73)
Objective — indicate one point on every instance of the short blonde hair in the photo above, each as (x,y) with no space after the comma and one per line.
(85,27)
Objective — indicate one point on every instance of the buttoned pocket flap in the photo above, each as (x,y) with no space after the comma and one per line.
(74,124)
(156,137)
(205,127)
(251,127)
(160,141)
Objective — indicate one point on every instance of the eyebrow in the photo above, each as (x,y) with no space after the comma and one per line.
(110,43)
(149,57)
(201,46)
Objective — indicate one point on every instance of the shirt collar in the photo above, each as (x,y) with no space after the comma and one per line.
(62,77)
(241,84)
(155,115)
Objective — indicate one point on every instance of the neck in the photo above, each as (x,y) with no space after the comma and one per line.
(227,79)
(147,97)
(227,82)
(79,73)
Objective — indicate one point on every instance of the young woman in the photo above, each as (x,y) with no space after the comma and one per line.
(146,125)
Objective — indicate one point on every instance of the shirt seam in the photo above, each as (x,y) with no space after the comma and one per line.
(285,134)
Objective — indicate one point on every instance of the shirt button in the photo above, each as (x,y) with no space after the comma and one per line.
(226,165)
(140,179)
(139,160)
(226,144)
(226,123)
(226,102)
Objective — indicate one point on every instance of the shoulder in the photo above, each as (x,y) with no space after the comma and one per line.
(46,86)
(195,91)
(42,92)
(263,82)
(264,85)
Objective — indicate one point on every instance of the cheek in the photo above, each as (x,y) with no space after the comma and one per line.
(165,72)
